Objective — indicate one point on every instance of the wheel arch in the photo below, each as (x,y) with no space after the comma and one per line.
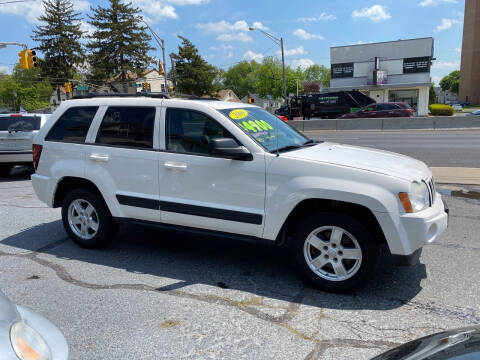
(309,206)
(68,183)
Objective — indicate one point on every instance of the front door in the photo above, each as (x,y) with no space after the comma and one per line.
(200,190)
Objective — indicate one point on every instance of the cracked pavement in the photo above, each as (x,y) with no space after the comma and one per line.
(156,294)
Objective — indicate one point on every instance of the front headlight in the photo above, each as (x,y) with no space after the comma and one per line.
(417,199)
(27,343)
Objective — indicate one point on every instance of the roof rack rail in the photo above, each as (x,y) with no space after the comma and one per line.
(139,94)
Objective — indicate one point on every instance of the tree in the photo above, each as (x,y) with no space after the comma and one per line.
(119,45)
(25,88)
(269,79)
(193,74)
(59,37)
(241,77)
(432,95)
(318,73)
(451,82)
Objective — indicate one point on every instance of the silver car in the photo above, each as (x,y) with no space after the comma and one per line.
(26,335)
(16,135)
(474,113)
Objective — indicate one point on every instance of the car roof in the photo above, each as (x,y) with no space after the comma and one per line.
(147,101)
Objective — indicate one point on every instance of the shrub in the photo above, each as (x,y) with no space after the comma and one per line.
(441,110)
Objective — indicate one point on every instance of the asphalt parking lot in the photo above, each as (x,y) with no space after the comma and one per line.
(155,294)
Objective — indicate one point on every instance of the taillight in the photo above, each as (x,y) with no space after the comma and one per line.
(36,152)
(282,117)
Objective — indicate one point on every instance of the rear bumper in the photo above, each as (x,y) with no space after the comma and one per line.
(15,157)
(41,186)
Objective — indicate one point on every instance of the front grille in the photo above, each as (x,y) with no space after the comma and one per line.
(431,190)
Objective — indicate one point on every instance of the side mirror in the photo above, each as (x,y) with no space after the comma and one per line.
(228,148)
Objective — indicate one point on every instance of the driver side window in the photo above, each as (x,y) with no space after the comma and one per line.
(188,131)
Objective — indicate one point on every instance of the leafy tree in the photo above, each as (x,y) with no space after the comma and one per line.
(241,77)
(293,76)
(194,75)
(432,95)
(58,36)
(451,82)
(25,88)
(318,73)
(119,45)
(269,80)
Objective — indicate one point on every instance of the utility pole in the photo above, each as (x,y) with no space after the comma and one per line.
(174,72)
(280,43)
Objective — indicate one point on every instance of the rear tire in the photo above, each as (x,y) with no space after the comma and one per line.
(5,170)
(87,219)
(335,252)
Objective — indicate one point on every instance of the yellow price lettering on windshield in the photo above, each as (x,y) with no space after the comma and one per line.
(238,114)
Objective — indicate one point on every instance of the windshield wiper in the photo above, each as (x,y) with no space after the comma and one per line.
(311,142)
(285,148)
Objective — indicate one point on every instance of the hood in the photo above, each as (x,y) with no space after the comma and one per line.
(379,161)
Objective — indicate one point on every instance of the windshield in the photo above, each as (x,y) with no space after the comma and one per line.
(19,123)
(265,128)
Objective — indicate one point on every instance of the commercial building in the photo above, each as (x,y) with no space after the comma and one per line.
(386,71)
(469,90)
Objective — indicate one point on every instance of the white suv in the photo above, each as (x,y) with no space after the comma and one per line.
(16,135)
(234,170)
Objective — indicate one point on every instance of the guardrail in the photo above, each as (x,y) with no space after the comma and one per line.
(398,123)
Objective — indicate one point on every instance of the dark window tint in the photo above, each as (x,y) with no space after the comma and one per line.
(127,126)
(191,132)
(19,123)
(73,125)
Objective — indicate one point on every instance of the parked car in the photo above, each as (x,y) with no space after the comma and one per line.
(458,344)
(381,110)
(26,335)
(16,135)
(474,113)
(457,107)
(234,170)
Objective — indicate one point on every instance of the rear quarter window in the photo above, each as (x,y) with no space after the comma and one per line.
(73,125)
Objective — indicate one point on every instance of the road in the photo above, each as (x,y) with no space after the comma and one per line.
(159,295)
(447,148)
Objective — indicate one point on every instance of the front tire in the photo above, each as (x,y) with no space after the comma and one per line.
(87,219)
(335,251)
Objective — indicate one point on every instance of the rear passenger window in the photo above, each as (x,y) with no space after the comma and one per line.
(73,125)
(128,127)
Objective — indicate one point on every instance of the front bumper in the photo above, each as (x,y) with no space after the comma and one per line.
(408,233)
(15,157)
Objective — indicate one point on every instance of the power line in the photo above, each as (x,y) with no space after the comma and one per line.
(14,1)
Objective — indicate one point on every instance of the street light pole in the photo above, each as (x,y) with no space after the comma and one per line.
(280,43)
(160,42)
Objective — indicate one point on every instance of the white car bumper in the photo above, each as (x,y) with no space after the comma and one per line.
(15,157)
(406,234)
(41,186)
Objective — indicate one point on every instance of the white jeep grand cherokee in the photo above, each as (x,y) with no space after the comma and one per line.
(237,171)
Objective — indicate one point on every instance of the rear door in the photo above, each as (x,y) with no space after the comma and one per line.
(122,159)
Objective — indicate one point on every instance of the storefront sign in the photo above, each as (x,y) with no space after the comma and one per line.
(342,70)
(416,65)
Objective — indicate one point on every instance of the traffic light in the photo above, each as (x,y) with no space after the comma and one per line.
(251,100)
(68,87)
(23,59)
(171,88)
(32,59)
(160,68)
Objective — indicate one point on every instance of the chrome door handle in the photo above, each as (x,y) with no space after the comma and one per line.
(175,166)
(98,157)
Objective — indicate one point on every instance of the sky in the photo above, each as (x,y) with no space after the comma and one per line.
(219,28)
